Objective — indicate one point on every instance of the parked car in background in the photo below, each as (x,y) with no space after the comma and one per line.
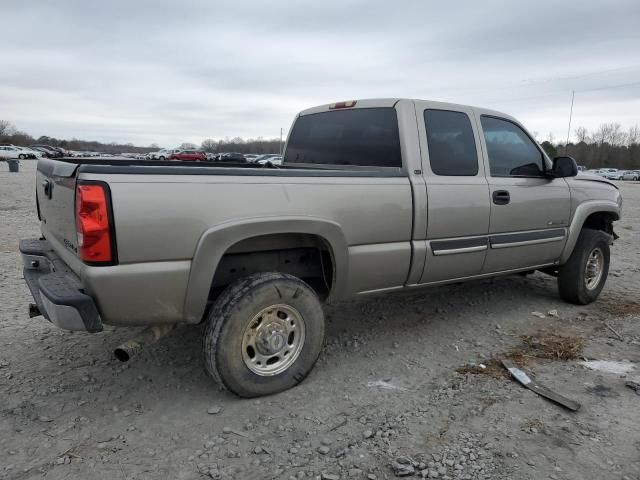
(631,175)
(616,175)
(607,172)
(272,160)
(30,152)
(51,152)
(259,158)
(163,154)
(8,152)
(232,157)
(250,157)
(188,156)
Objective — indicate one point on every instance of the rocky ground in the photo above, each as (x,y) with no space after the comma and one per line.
(399,389)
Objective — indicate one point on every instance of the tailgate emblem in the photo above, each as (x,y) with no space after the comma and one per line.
(48,188)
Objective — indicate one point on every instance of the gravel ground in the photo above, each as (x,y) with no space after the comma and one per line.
(386,398)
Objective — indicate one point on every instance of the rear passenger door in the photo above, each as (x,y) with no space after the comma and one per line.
(529,211)
(457,193)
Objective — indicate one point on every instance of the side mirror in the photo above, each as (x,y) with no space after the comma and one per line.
(564,167)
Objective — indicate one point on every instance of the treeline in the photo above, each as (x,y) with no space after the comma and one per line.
(608,146)
(9,134)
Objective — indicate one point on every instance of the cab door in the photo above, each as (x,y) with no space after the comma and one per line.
(457,192)
(529,211)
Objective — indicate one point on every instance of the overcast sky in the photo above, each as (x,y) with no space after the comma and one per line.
(168,72)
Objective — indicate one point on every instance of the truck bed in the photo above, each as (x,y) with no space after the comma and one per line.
(157,167)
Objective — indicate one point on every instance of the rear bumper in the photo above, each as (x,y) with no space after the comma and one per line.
(56,290)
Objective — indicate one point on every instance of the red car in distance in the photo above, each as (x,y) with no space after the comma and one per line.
(189,156)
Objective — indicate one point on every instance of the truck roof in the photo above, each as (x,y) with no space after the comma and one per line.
(390,102)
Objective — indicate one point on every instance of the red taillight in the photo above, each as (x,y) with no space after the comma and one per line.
(93,223)
(349,104)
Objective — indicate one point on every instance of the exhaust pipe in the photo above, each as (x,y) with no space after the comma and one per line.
(34,311)
(148,336)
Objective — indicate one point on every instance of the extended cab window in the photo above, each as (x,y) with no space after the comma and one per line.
(511,152)
(452,148)
(366,137)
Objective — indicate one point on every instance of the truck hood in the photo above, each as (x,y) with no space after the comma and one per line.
(591,177)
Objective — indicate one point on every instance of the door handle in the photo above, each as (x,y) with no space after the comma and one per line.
(501,197)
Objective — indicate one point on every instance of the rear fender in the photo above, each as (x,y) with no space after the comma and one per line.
(217,240)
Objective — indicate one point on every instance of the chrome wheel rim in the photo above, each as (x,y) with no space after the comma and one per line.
(273,340)
(594,268)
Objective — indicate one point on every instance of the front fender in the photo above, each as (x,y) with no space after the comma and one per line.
(581,214)
(217,240)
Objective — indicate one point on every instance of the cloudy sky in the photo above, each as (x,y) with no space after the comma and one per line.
(166,72)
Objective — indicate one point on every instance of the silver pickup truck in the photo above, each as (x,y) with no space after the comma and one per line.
(372,196)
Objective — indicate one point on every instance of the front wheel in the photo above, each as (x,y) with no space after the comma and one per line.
(582,278)
(263,334)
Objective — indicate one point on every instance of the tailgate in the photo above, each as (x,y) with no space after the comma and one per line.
(55,190)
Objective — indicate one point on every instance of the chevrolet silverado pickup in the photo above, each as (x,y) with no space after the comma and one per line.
(372,196)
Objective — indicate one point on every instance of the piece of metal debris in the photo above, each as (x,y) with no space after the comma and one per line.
(524,379)
(635,386)
(609,366)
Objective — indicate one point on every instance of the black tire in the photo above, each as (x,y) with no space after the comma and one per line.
(237,308)
(161,158)
(572,283)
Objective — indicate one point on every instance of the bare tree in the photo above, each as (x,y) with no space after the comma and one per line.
(582,134)
(633,135)
(610,133)
(6,128)
(209,145)
(188,146)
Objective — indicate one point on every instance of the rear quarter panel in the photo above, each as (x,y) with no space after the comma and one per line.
(161,219)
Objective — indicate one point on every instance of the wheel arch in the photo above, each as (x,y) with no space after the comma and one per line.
(219,240)
(597,215)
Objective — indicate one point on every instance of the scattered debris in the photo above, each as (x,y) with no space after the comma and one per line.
(635,386)
(342,423)
(214,410)
(552,346)
(553,313)
(524,379)
(323,450)
(608,366)
(614,332)
(602,391)
(227,430)
(621,307)
(384,385)
(538,314)
(403,467)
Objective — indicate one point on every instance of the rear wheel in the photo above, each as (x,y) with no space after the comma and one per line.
(582,278)
(263,334)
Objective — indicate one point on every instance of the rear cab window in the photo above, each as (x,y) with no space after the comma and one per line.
(361,137)
(452,146)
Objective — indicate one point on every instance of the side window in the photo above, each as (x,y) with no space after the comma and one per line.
(511,152)
(452,147)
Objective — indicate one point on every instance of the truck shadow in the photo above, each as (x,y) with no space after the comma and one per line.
(421,318)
